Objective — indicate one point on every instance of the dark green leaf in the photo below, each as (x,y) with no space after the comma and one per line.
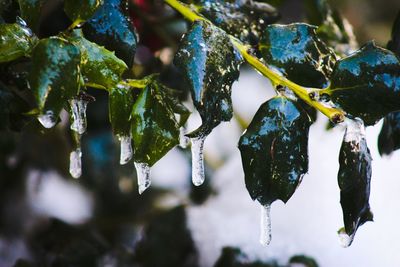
(389,137)
(210,65)
(367,83)
(80,11)
(121,101)
(110,26)
(298,53)
(332,28)
(54,77)
(154,128)
(16,40)
(234,257)
(303,261)
(354,177)
(243,19)
(274,150)
(100,67)
(30,12)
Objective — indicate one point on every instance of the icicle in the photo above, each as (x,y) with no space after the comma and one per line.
(183,140)
(48,120)
(78,108)
(265,226)
(126,149)
(197,160)
(75,163)
(143,176)
(344,238)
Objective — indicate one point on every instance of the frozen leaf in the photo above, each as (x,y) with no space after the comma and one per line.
(389,137)
(111,26)
(100,67)
(274,150)
(54,77)
(367,83)
(30,12)
(210,65)
(16,40)
(154,128)
(81,10)
(297,52)
(354,179)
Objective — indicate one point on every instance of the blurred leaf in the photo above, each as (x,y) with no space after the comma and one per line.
(16,41)
(298,53)
(30,12)
(111,26)
(154,128)
(303,261)
(394,44)
(274,150)
(100,67)
(79,11)
(54,77)
(389,137)
(210,65)
(367,83)
(354,177)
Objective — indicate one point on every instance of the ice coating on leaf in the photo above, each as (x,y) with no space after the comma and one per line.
(345,239)
(354,177)
(198,175)
(48,120)
(265,225)
(143,176)
(78,112)
(183,139)
(75,163)
(126,149)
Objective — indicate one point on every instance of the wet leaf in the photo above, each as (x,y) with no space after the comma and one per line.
(389,137)
(110,26)
(30,12)
(210,65)
(100,67)
(243,19)
(154,128)
(80,11)
(297,52)
(332,28)
(54,77)
(274,150)
(367,83)
(354,177)
(16,40)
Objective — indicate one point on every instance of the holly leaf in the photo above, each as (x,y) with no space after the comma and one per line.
(243,19)
(354,177)
(54,77)
(154,128)
(389,137)
(79,11)
(297,52)
(16,41)
(100,67)
(111,27)
(274,150)
(209,64)
(367,83)
(30,12)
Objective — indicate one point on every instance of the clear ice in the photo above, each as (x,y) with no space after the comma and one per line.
(183,140)
(143,176)
(126,149)
(265,225)
(78,108)
(345,239)
(48,120)
(197,160)
(75,163)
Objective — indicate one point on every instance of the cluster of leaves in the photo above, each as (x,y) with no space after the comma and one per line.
(98,51)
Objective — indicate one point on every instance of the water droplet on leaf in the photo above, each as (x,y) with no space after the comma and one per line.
(48,120)
(75,163)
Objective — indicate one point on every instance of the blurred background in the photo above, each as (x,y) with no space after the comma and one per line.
(47,218)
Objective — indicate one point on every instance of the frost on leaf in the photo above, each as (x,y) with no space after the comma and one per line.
(274,150)
(210,65)
(354,178)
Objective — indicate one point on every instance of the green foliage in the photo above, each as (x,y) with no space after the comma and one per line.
(79,11)
(30,12)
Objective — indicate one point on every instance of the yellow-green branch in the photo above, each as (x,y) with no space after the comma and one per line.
(334,114)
